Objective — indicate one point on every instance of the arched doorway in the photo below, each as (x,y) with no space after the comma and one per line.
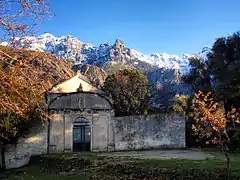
(81,135)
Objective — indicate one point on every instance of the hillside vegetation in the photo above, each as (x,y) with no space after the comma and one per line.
(26,75)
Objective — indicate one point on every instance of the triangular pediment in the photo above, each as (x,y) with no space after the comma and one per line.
(74,84)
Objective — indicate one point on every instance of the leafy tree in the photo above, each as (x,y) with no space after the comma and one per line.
(20,82)
(224,67)
(161,95)
(180,104)
(199,75)
(18,79)
(129,90)
(23,87)
(220,71)
(25,76)
(212,122)
(10,129)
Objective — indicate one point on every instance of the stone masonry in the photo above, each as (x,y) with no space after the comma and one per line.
(35,143)
(154,131)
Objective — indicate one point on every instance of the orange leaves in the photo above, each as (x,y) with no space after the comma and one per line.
(210,117)
(234,110)
(25,86)
(238,120)
(31,10)
(194,127)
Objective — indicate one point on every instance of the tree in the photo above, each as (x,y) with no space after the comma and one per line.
(219,72)
(224,67)
(129,90)
(180,104)
(15,13)
(199,75)
(21,77)
(212,122)
(23,87)
(14,80)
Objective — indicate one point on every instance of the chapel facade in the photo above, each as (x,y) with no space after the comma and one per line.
(80,117)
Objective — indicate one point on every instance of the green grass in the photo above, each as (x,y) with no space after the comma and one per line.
(217,163)
(32,172)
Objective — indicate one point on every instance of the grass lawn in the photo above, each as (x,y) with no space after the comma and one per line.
(216,163)
(34,171)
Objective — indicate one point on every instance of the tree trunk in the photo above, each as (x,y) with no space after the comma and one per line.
(227,162)
(3,157)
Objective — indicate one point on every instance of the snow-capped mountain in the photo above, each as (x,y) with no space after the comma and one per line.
(163,59)
(73,49)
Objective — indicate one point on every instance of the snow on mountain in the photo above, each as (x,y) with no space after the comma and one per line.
(163,60)
(73,49)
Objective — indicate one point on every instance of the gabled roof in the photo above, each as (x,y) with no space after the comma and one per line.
(72,84)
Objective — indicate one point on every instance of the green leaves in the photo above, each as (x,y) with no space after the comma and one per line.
(199,76)
(224,65)
(129,90)
(180,103)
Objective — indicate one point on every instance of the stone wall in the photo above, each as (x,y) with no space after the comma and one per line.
(107,134)
(155,131)
(115,134)
(33,144)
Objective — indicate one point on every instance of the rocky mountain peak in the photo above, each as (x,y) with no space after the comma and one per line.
(119,52)
(118,42)
(105,45)
(71,48)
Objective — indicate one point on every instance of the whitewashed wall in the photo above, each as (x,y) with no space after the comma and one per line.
(33,144)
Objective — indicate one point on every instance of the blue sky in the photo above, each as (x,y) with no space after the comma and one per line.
(150,26)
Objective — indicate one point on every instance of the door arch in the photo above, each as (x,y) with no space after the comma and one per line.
(81,135)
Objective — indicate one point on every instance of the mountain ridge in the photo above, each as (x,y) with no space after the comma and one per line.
(71,48)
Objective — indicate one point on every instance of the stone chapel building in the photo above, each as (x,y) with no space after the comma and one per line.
(80,117)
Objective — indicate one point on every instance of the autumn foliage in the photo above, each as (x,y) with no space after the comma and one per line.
(211,117)
(17,17)
(212,122)
(25,76)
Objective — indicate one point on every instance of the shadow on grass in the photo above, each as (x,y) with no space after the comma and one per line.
(101,167)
